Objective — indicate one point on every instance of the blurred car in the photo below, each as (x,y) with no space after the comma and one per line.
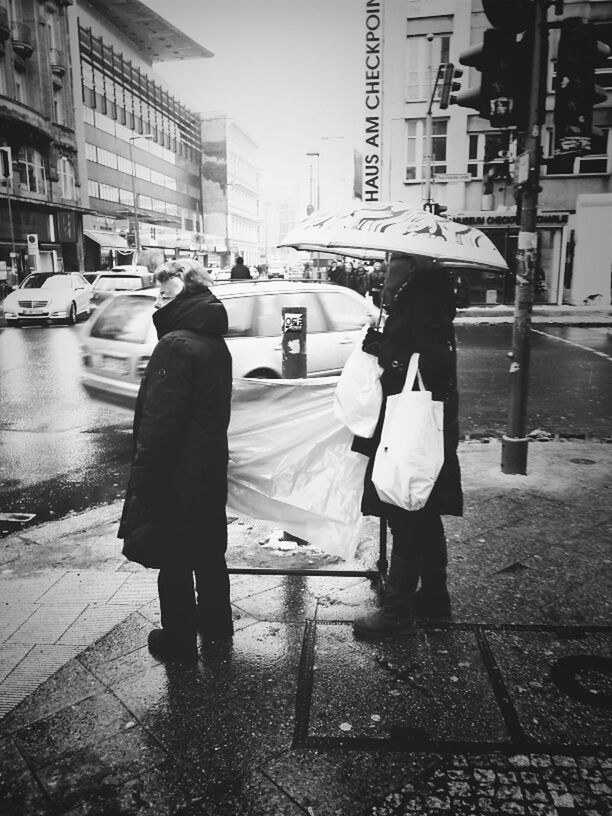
(117,342)
(122,280)
(276,271)
(91,277)
(135,268)
(48,297)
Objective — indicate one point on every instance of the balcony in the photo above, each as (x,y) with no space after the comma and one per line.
(5,26)
(58,62)
(22,40)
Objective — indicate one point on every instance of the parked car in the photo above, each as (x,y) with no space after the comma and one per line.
(120,279)
(48,297)
(91,277)
(117,342)
(138,268)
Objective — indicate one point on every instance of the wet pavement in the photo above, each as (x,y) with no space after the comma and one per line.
(504,709)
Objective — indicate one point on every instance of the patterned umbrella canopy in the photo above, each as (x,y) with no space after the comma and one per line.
(372,230)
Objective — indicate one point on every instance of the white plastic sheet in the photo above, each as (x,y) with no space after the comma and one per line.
(291,462)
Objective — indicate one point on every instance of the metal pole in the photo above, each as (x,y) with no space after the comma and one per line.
(428,147)
(135,199)
(514,443)
(14,268)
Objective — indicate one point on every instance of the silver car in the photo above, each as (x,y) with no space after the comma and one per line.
(117,342)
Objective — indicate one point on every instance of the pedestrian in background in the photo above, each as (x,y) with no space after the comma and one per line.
(240,271)
(420,302)
(178,478)
(376,281)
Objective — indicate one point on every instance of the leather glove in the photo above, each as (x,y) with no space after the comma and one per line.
(371,342)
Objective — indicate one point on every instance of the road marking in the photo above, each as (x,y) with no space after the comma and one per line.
(576,345)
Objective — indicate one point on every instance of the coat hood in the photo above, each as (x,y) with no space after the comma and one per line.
(201,312)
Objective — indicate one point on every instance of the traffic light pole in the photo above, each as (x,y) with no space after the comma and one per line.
(514,443)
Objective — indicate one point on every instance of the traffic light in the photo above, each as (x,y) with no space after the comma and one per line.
(503,90)
(434,208)
(449,85)
(580,53)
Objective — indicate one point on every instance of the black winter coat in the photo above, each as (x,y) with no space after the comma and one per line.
(178,478)
(422,323)
(240,272)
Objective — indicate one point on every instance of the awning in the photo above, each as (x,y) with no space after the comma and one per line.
(108,240)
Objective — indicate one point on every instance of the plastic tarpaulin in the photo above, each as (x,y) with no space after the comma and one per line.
(291,462)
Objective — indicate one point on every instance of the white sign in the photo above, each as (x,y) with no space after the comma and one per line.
(522,169)
(453,177)
(372,158)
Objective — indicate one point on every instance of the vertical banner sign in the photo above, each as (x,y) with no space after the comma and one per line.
(294,342)
(373,101)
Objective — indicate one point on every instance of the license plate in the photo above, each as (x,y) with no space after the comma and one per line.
(114,365)
(32,311)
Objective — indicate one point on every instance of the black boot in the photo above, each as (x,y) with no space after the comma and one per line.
(165,647)
(396,618)
(432,603)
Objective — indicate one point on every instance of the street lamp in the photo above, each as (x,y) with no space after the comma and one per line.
(318,202)
(131,140)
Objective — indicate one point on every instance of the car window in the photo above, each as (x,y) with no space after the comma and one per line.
(239,314)
(117,283)
(344,312)
(269,312)
(126,318)
(36,281)
(77,281)
(57,282)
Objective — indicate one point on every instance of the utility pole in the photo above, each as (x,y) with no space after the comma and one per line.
(514,443)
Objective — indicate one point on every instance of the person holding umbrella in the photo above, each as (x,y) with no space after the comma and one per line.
(419,299)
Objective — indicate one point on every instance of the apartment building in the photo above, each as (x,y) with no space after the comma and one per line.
(40,204)
(474,166)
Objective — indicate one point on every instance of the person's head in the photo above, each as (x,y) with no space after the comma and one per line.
(239,259)
(174,277)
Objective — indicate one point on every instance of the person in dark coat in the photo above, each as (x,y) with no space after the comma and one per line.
(420,302)
(177,488)
(240,271)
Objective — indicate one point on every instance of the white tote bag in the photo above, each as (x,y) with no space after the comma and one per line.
(411,450)
(358,395)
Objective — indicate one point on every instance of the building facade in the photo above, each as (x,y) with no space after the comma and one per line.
(233,221)
(40,203)
(141,152)
(473,166)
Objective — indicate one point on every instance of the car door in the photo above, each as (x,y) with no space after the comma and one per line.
(347,313)
(81,291)
(321,359)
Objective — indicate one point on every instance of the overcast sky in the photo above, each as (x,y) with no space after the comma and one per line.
(288,71)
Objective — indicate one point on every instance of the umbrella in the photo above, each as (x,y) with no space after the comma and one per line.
(372,230)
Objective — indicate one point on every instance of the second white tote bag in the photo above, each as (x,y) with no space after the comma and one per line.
(411,450)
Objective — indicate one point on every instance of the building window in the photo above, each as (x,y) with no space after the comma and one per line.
(420,55)
(93,188)
(58,106)
(33,173)
(488,153)
(416,148)
(595,161)
(66,178)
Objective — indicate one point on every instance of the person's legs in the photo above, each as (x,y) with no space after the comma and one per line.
(177,639)
(214,611)
(396,617)
(432,599)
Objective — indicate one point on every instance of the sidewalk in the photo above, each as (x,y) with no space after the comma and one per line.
(505,709)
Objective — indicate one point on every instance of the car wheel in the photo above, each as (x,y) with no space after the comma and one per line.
(263,374)
(72,314)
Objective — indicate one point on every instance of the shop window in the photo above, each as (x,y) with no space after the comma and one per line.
(66,178)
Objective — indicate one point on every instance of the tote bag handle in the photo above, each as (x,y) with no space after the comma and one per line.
(413,374)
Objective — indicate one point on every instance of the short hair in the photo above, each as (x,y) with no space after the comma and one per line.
(192,273)
(239,259)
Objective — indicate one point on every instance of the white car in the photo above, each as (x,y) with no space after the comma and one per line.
(48,297)
(117,342)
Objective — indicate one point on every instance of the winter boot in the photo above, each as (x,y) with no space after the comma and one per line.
(176,649)
(430,603)
(396,618)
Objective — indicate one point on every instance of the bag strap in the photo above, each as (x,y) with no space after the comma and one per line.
(413,374)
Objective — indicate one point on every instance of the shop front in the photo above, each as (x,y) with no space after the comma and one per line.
(482,287)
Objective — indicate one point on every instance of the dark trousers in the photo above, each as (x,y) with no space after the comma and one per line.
(419,539)
(181,615)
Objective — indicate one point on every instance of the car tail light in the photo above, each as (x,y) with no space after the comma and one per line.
(142,364)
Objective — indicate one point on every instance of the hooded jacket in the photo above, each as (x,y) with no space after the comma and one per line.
(178,477)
